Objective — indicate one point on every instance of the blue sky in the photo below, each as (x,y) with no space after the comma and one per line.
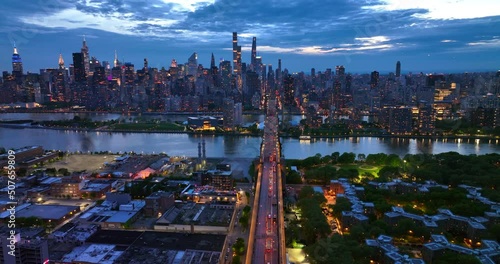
(362,35)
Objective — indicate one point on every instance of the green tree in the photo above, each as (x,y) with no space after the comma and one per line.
(236,260)
(341,204)
(244,221)
(347,157)
(239,246)
(293,177)
(453,257)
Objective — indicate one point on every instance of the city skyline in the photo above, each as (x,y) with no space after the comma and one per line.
(437,37)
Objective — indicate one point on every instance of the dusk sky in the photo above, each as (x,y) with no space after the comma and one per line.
(362,35)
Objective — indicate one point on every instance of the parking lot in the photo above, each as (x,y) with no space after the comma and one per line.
(80,162)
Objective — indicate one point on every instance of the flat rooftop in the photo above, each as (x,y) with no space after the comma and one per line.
(163,240)
(47,212)
(94,253)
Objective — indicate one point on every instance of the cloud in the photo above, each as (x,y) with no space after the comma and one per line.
(489,43)
(442,9)
(360,45)
(295,27)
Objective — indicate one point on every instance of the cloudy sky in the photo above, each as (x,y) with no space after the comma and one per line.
(362,35)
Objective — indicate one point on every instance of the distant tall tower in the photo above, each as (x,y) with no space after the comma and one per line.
(61,62)
(193,64)
(145,64)
(374,77)
(79,68)
(17,63)
(116,63)
(237,61)
(86,58)
(398,69)
(212,62)
(235,50)
(254,53)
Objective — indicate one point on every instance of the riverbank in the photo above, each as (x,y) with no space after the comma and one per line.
(215,133)
(201,113)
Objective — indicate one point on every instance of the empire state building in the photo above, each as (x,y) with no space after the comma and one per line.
(17,63)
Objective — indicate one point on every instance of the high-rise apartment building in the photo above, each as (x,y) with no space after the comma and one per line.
(426,119)
(225,76)
(400,120)
(228,114)
(238,114)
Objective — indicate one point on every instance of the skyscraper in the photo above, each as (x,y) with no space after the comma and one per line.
(237,62)
(238,114)
(212,62)
(339,70)
(193,64)
(398,69)
(79,68)
(235,51)
(228,113)
(116,63)
(374,77)
(17,63)
(254,54)
(61,62)
(86,58)
(225,76)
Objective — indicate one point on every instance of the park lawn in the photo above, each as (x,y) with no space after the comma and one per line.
(362,168)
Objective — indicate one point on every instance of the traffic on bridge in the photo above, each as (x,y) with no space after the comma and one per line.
(266,241)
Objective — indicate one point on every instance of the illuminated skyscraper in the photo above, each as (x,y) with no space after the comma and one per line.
(237,62)
(116,62)
(86,58)
(398,69)
(235,52)
(17,63)
(61,62)
(225,76)
(193,64)
(228,113)
(339,70)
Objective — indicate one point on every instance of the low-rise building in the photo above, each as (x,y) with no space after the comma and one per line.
(157,203)
(68,186)
(219,179)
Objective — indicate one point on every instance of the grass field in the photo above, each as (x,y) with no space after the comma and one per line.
(362,168)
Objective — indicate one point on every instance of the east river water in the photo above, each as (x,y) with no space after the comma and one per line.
(217,146)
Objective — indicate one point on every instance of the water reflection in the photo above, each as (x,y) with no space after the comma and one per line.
(230,146)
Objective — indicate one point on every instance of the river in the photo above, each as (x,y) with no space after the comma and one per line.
(217,146)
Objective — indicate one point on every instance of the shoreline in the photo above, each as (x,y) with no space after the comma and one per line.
(313,138)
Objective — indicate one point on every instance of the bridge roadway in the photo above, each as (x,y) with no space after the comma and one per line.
(266,243)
